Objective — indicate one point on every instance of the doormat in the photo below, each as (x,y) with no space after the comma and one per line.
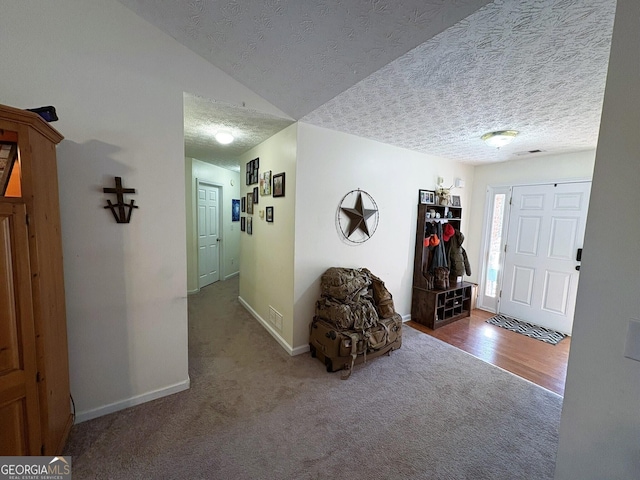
(528,329)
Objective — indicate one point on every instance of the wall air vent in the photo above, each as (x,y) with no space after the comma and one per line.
(529,152)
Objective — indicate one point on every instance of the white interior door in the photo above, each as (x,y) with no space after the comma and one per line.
(208,234)
(546,229)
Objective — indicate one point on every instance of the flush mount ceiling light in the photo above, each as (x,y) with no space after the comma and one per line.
(224,137)
(500,138)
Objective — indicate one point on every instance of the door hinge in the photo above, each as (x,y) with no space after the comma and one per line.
(500,294)
(505,248)
(510,200)
(26,219)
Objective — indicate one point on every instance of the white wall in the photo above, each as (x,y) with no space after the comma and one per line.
(229,181)
(266,256)
(544,169)
(117,83)
(330,164)
(600,425)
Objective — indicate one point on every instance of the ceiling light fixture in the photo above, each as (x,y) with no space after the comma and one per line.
(500,138)
(224,137)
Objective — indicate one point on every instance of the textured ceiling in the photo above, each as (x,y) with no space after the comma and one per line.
(204,117)
(536,66)
(298,54)
(430,76)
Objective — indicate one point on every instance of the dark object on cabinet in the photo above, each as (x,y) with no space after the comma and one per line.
(35,411)
(48,113)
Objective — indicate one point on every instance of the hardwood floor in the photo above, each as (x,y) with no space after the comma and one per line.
(538,362)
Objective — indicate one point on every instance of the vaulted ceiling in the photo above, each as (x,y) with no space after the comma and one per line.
(427,75)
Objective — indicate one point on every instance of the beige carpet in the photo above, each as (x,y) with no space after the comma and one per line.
(429,411)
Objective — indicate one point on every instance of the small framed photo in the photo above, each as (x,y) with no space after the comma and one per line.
(250,225)
(235,210)
(269,214)
(455,200)
(255,195)
(248,173)
(252,171)
(278,185)
(243,224)
(250,203)
(265,183)
(427,197)
(244,204)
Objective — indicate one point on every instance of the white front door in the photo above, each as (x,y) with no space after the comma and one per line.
(546,229)
(208,234)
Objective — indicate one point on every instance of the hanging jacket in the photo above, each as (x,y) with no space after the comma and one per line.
(439,258)
(457,256)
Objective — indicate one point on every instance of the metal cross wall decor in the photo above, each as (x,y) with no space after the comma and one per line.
(121,211)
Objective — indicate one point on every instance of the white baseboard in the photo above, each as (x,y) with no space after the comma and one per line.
(130,402)
(300,349)
(406,318)
(193,292)
(231,275)
(274,333)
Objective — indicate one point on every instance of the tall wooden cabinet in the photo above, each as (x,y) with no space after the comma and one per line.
(35,407)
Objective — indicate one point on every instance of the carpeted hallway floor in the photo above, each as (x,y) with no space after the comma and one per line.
(429,411)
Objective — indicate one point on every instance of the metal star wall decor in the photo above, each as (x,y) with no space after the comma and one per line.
(359,222)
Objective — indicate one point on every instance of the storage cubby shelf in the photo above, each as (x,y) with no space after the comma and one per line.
(435,308)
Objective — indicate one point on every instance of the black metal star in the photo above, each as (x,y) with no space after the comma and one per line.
(358,216)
